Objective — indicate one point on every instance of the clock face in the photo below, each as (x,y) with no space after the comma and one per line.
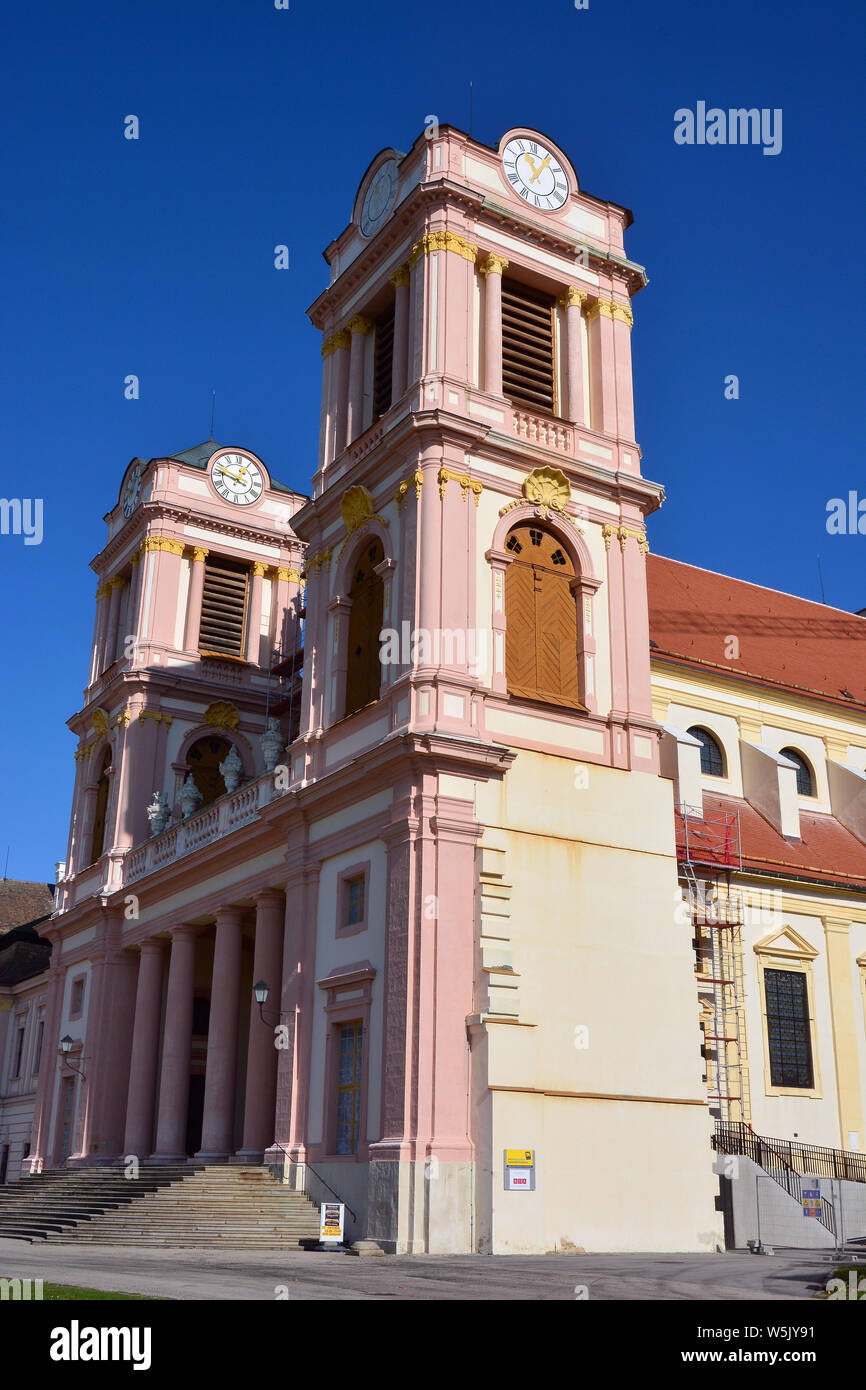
(535,174)
(380,198)
(132,491)
(237,479)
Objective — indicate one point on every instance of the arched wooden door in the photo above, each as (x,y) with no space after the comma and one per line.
(363,664)
(540,619)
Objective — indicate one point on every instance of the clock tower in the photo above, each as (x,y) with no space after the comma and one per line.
(198,599)
(479,516)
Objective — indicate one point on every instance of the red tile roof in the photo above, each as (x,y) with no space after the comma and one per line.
(22,902)
(827,852)
(783,641)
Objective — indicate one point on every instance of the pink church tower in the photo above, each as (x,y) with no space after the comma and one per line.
(479,504)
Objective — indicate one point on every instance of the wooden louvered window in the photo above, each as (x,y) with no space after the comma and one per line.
(366,595)
(97,839)
(383,359)
(528,377)
(223,608)
(541,620)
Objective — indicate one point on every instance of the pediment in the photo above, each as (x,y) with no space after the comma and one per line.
(786,942)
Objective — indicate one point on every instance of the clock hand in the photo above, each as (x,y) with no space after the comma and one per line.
(540,170)
(235,478)
(528,159)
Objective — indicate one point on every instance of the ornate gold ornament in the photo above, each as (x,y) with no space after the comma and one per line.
(258,570)
(118,582)
(99,722)
(103,592)
(199,554)
(357,508)
(610,529)
(447,475)
(401,495)
(400,277)
(221,715)
(343,339)
(315,562)
(359,324)
(492,264)
(163,543)
(572,297)
(123,718)
(609,309)
(442,241)
(547,488)
(156,715)
(288,576)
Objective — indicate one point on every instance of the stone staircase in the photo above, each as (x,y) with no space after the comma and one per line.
(213,1206)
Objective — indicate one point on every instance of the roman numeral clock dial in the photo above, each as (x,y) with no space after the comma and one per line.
(237,479)
(535,174)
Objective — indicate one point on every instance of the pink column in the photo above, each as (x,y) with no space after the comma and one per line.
(326,410)
(340,389)
(359,327)
(571,301)
(491,268)
(400,361)
(622,322)
(102,596)
(279,604)
(262,1051)
(110,1067)
(50,1062)
(110,650)
(222,1042)
(193,602)
(134,596)
(176,1048)
(254,622)
(138,1137)
(602,367)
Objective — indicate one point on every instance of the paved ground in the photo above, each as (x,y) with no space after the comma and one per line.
(207,1274)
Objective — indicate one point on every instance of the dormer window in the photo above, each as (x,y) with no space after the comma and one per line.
(528,372)
(805,780)
(712,757)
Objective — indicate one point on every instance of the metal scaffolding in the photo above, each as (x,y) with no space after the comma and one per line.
(708,852)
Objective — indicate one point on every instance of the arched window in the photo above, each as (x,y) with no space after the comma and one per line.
(712,757)
(366,595)
(805,780)
(97,842)
(203,761)
(541,619)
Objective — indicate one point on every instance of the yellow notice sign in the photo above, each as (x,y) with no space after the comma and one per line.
(520,1158)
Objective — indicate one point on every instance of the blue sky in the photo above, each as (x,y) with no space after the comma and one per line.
(155,257)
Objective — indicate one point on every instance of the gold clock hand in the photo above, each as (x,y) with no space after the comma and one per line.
(227,474)
(540,169)
(528,159)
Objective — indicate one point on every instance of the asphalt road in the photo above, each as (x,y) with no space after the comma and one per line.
(269,1274)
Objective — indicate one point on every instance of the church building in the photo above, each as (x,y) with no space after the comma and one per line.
(381,867)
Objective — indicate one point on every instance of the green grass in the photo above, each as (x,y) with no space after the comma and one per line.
(74,1293)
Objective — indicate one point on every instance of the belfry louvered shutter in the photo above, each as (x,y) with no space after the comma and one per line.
(527,347)
(223,607)
(540,620)
(363,664)
(383,359)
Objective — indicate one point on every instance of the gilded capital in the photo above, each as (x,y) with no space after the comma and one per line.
(199,554)
(359,324)
(258,570)
(162,543)
(572,297)
(118,582)
(337,340)
(442,241)
(400,277)
(492,264)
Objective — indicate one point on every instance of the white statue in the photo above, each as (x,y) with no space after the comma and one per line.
(272,743)
(190,797)
(231,770)
(159,813)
